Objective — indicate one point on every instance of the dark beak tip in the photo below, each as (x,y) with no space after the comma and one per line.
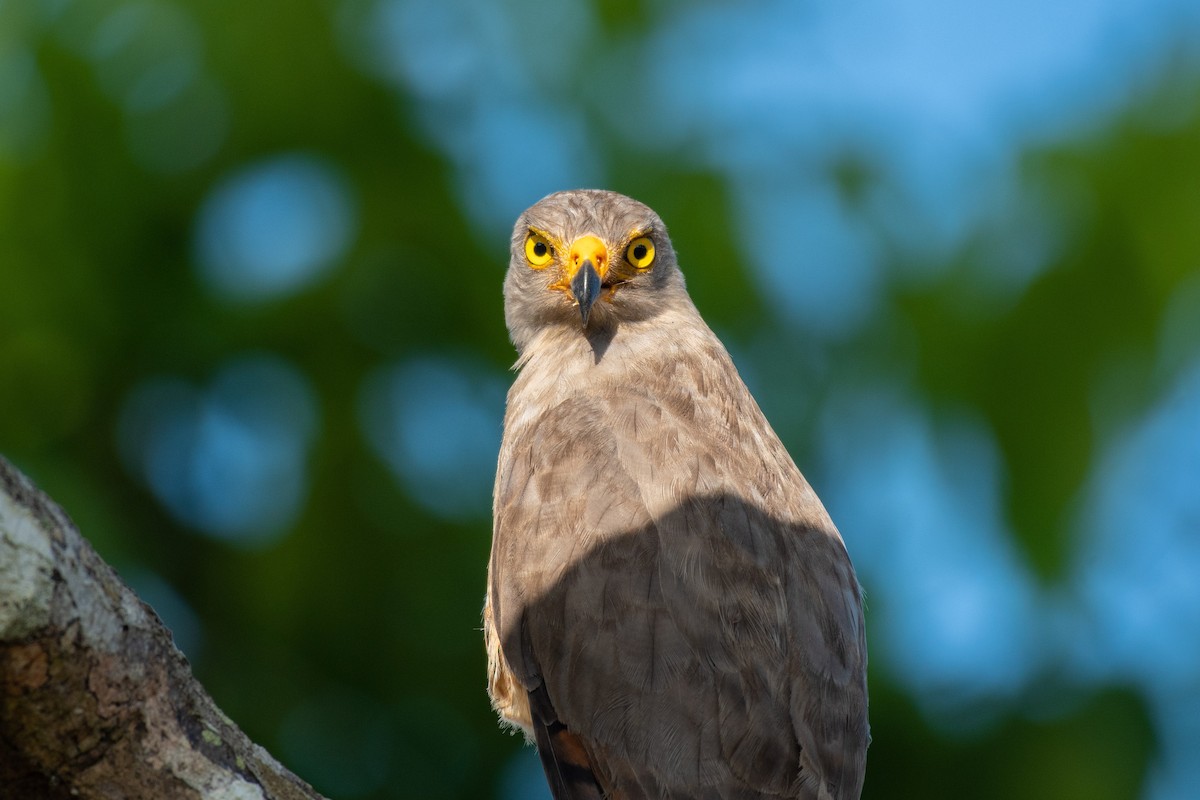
(585,286)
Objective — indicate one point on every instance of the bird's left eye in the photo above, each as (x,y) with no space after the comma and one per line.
(640,252)
(538,251)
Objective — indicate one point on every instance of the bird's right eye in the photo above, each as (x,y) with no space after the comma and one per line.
(538,251)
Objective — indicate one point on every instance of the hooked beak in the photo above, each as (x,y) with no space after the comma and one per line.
(587,265)
(585,286)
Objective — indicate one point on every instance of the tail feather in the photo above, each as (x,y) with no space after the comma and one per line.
(564,759)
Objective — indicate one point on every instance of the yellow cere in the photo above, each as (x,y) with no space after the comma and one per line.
(640,252)
(538,251)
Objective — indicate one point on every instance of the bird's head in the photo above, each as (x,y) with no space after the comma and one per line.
(588,260)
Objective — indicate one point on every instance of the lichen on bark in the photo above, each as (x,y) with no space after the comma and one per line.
(95,699)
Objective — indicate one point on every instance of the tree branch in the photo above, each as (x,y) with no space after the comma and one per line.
(95,700)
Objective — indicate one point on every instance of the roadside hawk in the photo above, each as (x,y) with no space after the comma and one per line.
(670,611)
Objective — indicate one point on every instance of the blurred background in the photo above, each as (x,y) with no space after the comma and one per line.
(251,338)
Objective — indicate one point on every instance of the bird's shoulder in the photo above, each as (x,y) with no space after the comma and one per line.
(668,409)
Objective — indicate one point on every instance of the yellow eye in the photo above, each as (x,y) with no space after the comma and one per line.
(640,252)
(538,251)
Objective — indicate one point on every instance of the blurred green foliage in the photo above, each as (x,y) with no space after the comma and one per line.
(350,646)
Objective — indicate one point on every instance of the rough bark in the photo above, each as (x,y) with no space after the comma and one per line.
(95,700)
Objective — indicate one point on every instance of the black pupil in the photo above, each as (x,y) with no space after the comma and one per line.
(639,252)
(539,249)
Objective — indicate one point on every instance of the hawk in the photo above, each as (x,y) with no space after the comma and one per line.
(670,611)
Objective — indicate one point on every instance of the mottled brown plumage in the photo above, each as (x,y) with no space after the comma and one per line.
(670,611)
